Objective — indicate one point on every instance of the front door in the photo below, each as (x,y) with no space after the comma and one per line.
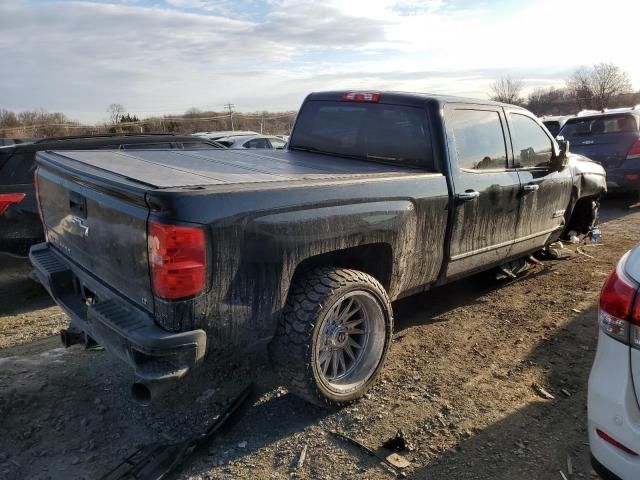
(486,188)
(545,194)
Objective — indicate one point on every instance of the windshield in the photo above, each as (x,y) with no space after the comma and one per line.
(372,131)
(599,125)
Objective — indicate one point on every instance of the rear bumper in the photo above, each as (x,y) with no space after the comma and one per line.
(612,408)
(122,328)
(623,180)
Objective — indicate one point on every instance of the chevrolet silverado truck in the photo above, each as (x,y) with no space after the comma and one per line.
(166,257)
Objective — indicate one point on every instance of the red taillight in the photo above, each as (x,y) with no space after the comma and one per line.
(614,442)
(634,151)
(617,316)
(7,199)
(178,260)
(632,176)
(616,297)
(361,97)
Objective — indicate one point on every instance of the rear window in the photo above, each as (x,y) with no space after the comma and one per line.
(198,146)
(599,125)
(388,133)
(552,126)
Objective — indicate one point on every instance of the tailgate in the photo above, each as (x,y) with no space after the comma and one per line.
(99,225)
(610,150)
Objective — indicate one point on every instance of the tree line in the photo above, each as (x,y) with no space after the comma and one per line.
(40,123)
(603,85)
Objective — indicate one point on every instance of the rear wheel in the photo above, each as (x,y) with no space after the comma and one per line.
(334,335)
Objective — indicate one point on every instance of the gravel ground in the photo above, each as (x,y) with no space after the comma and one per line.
(462,382)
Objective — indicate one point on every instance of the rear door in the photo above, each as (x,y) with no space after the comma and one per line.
(544,194)
(486,187)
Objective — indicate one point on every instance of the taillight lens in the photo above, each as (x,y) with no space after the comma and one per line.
(178,260)
(634,151)
(8,199)
(372,97)
(617,305)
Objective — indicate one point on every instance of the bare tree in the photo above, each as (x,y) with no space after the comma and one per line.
(507,90)
(595,87)
(115,111)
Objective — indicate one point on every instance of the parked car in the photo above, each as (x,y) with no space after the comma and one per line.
(20,225)
(614,383)
(223,134)
(554,123)
(611,138)
(379,196)
(253,141)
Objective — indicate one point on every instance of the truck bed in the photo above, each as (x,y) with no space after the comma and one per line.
(174,168)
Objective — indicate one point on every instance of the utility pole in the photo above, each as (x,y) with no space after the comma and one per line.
(229,106)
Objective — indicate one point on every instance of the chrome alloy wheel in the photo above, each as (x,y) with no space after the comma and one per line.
(350,341)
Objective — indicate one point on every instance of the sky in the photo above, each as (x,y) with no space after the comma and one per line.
(166,56)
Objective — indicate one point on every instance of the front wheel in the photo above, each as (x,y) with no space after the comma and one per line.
(334,335)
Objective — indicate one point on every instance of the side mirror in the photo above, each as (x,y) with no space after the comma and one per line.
(560,160)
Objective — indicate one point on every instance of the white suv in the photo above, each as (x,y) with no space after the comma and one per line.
(614,383)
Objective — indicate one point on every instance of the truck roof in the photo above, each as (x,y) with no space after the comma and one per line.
(407,98)
(196,168)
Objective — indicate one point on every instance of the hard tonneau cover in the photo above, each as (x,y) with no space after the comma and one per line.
(174,168)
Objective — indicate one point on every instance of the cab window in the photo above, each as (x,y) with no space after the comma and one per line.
(479,139)
(531,145)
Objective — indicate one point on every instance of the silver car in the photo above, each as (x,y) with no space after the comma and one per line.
(223,134)
(253,141)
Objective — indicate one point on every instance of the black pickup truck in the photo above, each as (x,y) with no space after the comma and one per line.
(165,257)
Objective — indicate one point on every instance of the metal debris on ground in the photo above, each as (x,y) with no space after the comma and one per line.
(513,269)
(569,465)
(157,461)
(371,452)
(566,392)
(542,392)
(596,235)
(398,460)
(557,251)
(302,457)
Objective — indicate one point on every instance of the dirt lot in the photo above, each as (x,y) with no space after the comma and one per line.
(459,383)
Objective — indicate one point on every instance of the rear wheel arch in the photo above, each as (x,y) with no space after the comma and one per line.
(375,259)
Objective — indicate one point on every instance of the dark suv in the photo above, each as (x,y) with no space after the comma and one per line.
(612,138)
(20,225)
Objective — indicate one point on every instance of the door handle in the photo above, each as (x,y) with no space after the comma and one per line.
(530,188)
(467,196)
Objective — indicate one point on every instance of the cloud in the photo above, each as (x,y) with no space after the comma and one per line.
(80,56)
